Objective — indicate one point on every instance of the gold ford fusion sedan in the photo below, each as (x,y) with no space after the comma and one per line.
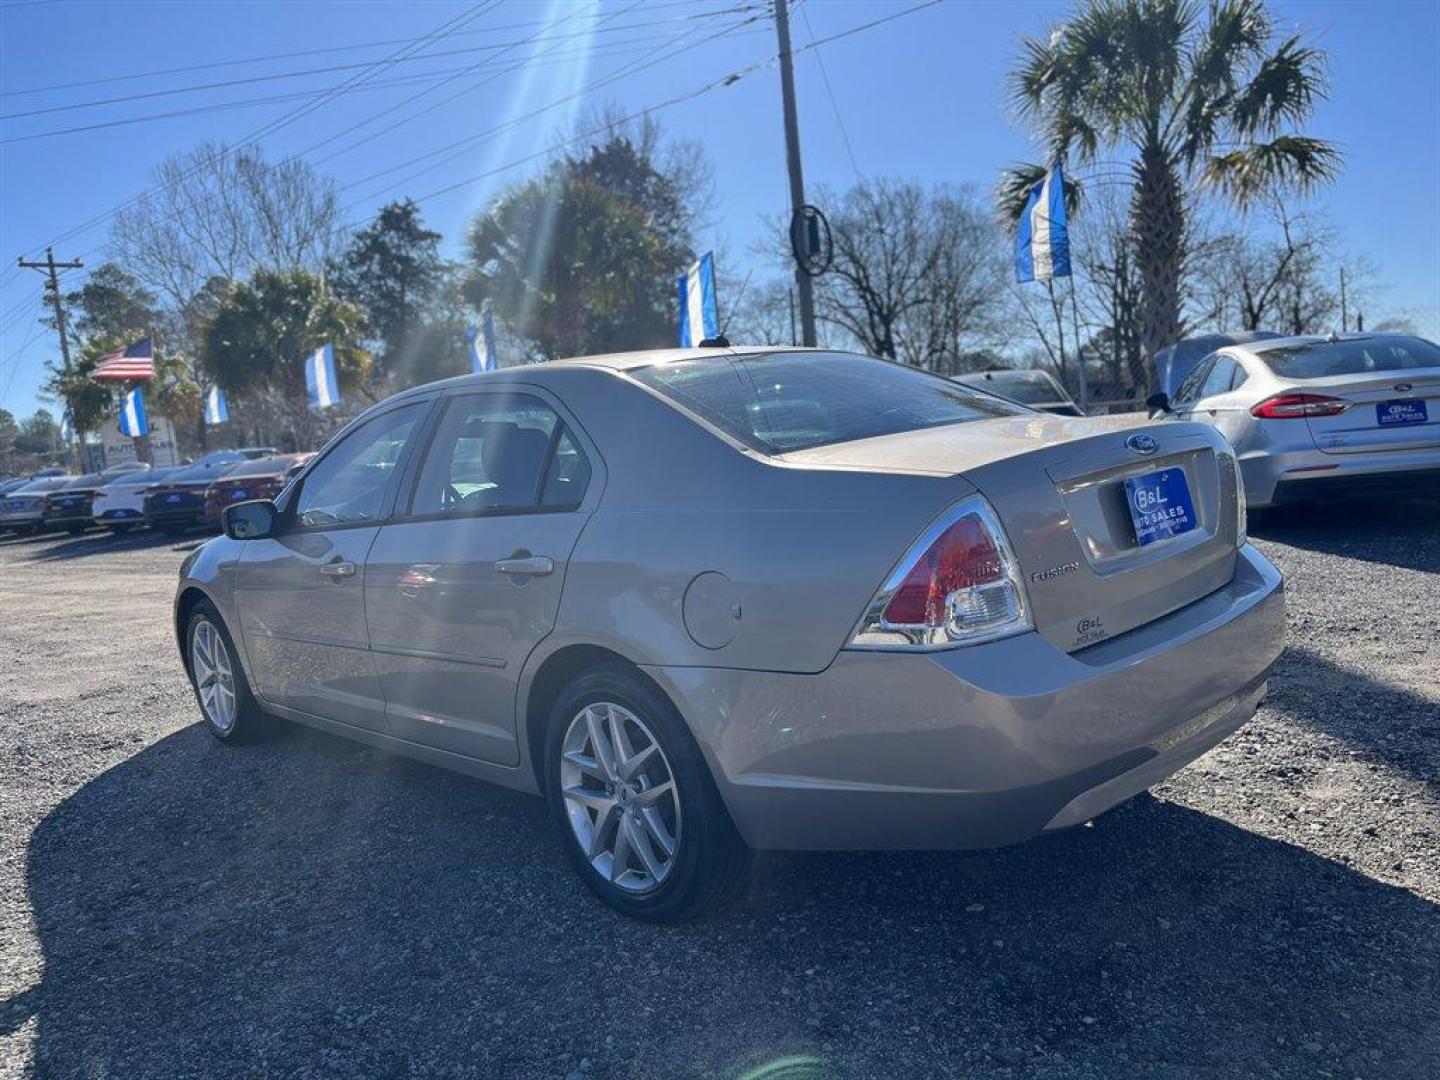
(707,601)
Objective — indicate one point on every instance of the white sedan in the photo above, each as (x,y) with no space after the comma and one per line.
(1319,418)
(119,505)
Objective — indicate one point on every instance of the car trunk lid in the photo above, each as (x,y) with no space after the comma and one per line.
(1059,488)
(1399,410)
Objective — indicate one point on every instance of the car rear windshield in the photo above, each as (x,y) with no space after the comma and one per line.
(784,401)
(266,466)
(1325,359)
(1026,387)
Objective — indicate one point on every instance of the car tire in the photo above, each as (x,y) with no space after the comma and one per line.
(211,658)
(74,530)
(174,531)
(707,862)
(121,530)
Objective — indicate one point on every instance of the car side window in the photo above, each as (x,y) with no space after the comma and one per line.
(1190,388)
(1218,380)
(347,486)
(1240,377)
(568,475)
(499,453)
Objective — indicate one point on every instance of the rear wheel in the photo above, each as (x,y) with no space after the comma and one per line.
(230,710)
(635,803)
(121,530)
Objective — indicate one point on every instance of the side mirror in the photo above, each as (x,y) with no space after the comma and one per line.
(254,520)
(1160,401)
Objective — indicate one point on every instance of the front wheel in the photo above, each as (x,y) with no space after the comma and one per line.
(230,709)
(639,813)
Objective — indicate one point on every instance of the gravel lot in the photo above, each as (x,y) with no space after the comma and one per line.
(171,907)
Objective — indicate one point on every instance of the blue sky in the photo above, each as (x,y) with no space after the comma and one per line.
(920,96)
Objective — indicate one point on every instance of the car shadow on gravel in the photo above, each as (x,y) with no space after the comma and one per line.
(311,907)
(1395,532)
(98,543)
(1380,720)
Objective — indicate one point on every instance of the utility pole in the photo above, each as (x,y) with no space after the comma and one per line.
(52,288)
(804,286)
(1344,315)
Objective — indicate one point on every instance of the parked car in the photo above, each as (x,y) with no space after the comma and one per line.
(1318,418)
(262,478)
(176,504)
(124,468)
(1032,387)
(228,457)
(119,505)
(714,600)
(10,484)
(23,509)
(1173,365)
(68,507)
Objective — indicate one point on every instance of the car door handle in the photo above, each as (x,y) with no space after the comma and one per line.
(529,565)
(338,569)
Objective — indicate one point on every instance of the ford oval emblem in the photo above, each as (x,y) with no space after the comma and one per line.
(1142,443)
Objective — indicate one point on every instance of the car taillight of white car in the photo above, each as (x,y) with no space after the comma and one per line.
(959,584)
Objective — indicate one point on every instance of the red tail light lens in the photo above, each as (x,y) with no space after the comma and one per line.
(1298,406)
(963,557)
(958,584)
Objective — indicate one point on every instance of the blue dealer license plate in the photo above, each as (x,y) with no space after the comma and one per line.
(1160,505)
(1388,413)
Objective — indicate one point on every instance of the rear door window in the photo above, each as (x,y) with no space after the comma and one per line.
(500,453)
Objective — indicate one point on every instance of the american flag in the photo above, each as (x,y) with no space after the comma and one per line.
(124,365)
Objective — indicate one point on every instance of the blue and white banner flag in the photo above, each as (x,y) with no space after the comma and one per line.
(483,356)
(67,429)
(321,387)
(216,410)
(1042,243)
(699,317)
(132,415)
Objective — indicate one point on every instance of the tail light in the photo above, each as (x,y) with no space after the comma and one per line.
(1242,524)
(959,584)
(1298,406)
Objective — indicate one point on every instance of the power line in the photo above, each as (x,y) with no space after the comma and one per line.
(438,78)
(290,117)
(469,15)
(830,92)
(430,108)
(300,54)
(461,146)
(307,72)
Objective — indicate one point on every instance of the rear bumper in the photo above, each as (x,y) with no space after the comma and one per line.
(987,745)
(1309,474)
(1340,484)
(110,517)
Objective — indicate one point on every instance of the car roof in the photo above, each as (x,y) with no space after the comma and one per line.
(1259,348)
(613,362)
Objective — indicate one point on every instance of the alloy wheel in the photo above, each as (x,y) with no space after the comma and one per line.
(620,797)
(214,676)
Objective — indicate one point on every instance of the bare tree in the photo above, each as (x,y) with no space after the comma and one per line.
(918,275)
(217,212)
(1282,272)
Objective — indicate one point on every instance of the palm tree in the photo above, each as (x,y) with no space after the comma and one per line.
(1198,102)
